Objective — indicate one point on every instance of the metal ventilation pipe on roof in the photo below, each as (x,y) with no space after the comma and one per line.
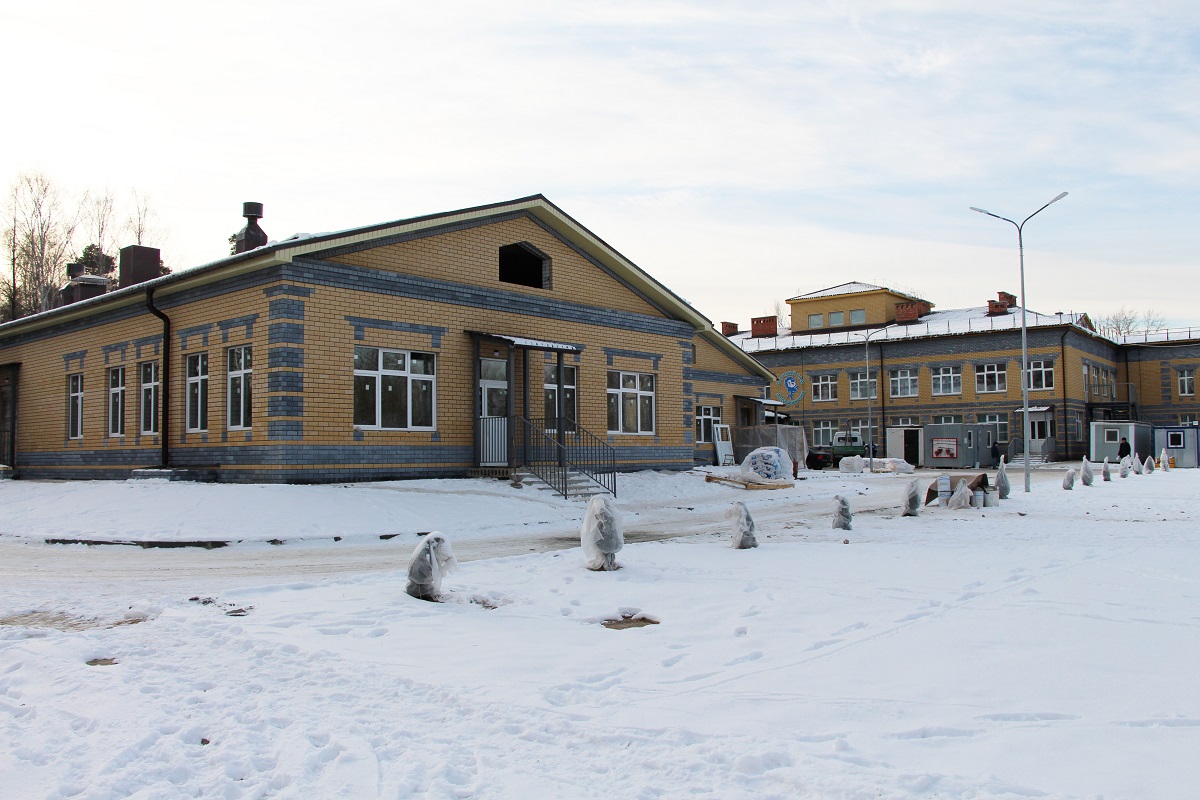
(251,236)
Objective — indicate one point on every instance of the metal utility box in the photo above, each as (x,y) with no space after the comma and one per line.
(1107,434)
(1182,443)
(906,443)
(959,444)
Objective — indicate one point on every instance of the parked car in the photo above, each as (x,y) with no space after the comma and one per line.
(845,443)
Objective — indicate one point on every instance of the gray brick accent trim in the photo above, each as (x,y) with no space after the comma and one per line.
(297,291)
(285,333)
(78,355)
(291,357)
(286,308)
(687,388)
(285,405)
(189,333)
(689,353)
(246,322)
(342,276)
(612,352)
(701,396)
(285,430)
(109,349)
(285,381)
(362,323)
(146,341)
(690,373)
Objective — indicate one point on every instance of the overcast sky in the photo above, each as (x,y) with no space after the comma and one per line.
(740,153)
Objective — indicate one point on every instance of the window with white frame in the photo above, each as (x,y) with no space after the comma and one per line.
(570,410)
(1111,435)
(1075,426)
(75,406)
(946,380)
(1001,421)
(837,318)
(816,320)
(947,419)
(706,417)
(238,395)
(858,316)
(630,402)
(823,432)
(394,389)
(824,388)
(197,392)
(116,401)
(906,422)
(904,383)
(1087,387)
(148,412)
(1187,382)
(1175,440)
(991,378)
(1041,374)
(1187,419)
(862,387)
(969,439)
(865,428)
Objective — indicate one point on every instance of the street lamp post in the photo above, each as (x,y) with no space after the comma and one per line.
(1024,332)
(866,337)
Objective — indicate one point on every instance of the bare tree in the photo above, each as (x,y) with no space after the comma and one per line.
(142,224)
(39,241)
(1125,321)
(781,315)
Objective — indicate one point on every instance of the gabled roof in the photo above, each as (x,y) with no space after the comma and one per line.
(282,252)
(854,287)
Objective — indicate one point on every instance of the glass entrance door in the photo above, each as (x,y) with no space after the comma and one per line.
(493,420)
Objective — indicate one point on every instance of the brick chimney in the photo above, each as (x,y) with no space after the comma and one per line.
(1009,300)
(912,310)
(1001,306)
(729,328)
(764,326)
(138,264)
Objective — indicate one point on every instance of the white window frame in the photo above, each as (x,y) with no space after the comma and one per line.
(904,382)
(822,431)
(380,374)
(706,418)
(1175,440)
(857,382)
(550,395)
(858,316)
(945,381)
(947,419)
(824,388)
(1187,383)
(75,405)
(1112,436)
(1000,421)
(116,402)
(837,318)
(906,422)
(196,406)
(239,363)
(1187,419)
(998,375)
(1041,375)
(860,425)
(819,318)
(148,405)
(639,387)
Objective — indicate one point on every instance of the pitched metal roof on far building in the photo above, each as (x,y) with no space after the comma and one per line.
(952,322)
(854,287)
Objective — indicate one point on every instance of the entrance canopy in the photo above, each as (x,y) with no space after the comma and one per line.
(521,342)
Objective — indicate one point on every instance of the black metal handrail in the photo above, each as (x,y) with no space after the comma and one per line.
(552,454)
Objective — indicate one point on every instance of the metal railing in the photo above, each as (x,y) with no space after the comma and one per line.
(554,455)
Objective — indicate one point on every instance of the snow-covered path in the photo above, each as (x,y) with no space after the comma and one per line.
(1042,649)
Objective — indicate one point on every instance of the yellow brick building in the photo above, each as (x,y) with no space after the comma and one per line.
(433,346)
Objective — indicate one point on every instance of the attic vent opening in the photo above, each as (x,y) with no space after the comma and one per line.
(524,265)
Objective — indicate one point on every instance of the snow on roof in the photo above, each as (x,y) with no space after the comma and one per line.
(854,287)
(951,322)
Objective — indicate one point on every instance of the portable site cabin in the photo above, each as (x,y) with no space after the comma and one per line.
(908,444)
(1107,435)
(959,444)
(1182,443)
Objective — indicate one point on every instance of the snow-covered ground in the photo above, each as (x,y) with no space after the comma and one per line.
(1045,648)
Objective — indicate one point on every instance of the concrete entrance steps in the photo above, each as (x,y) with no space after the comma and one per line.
(578,484)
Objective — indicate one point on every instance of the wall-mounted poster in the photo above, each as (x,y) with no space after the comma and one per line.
(945,448)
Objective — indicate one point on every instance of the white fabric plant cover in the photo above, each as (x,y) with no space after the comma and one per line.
(1086,476)
(1136,464)
(1124,470)
(770,463)
(900,466)
(852,464)
(601,535)
(432,559)
(1149,465)
(841,513)
(1164,462)
(1003,487)
(743,527)
(1105,472)
(1069,480)
(961,498)
(912,499)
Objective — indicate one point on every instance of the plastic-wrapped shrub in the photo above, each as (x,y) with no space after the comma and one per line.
(1069,480)
(1135,464)
(1104,470)
(912,499)
(601,535)
(1149,465)
(432,559)
(1003,487)
(743,527)
(961,496)
(841,513)
(770,463)
(1124,470)
(1086,476)
(1163,461)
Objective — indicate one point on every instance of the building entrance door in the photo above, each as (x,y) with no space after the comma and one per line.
(8,415)
(493,405)
(1041,428)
